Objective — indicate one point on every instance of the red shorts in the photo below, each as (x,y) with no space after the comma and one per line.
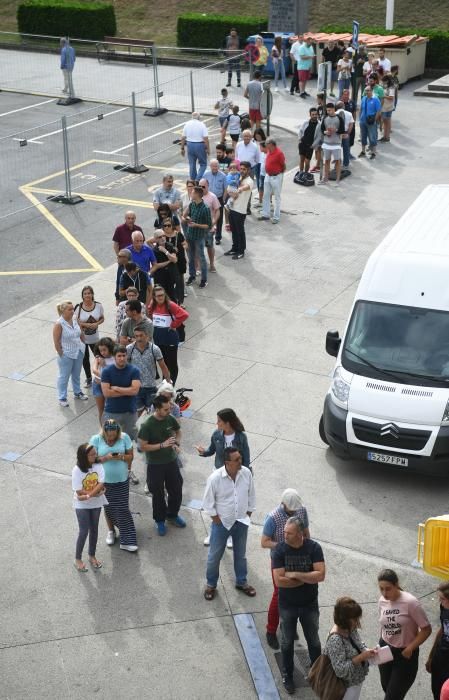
(255,115)
(303,76)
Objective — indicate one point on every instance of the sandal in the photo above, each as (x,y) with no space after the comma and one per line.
(247,590)
(81,569)
(209,593)
(95,563)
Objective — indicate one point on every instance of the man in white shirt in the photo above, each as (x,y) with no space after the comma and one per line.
(346,137)
(229,499)
(385,63)
(195,135)
(211,201)
(247,149)
(237,214)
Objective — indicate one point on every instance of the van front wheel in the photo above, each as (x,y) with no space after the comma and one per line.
(321,431)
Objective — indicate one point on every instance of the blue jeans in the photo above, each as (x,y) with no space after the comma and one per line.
(368,134)
(343,84)
(272,185)
(145,397)
(346,145)
(279,68)
(309,617)
(196,151)
(69,368)
(196,249)
(218,537)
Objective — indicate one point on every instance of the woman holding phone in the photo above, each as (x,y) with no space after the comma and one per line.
(115,453)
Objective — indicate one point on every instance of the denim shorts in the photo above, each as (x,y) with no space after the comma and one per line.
(145,397)
(261,181)
(387,115)
(209,239)
(223,121)
(96,389)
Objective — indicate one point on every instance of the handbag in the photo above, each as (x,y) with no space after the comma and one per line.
(370,119)
(323,680)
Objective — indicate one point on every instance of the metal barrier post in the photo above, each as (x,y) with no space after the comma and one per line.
(192,98)
(67,197)
(70,61)
(136,168)
(157,110)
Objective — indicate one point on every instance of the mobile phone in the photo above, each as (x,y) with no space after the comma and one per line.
(115,454)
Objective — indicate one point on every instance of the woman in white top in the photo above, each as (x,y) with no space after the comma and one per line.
(90,315)
(344,67)
(88,499)
(68,340)
(277,58)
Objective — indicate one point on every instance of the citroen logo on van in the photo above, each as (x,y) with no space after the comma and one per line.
(389,429)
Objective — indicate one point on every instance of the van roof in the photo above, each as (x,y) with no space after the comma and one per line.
(411,264)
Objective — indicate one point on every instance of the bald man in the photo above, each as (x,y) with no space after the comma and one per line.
(141,253)
(122,235)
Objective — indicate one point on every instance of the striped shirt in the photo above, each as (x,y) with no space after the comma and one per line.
(70,338)
(200,214)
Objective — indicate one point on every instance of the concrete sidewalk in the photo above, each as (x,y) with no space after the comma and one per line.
(255,341)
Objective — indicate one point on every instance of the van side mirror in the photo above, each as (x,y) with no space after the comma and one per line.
(333,342)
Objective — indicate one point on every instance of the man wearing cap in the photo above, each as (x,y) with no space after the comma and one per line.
(273,532)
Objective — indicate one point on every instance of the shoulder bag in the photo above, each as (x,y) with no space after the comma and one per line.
(323,680)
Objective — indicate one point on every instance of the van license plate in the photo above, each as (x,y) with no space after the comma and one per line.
(387,459)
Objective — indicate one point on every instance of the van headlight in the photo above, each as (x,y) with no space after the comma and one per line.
(445,418)
(340,388)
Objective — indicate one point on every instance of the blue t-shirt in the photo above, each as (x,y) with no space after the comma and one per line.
(115,470)
(145,258)
(369,107)
(233,180)
(269,526)
(120,377)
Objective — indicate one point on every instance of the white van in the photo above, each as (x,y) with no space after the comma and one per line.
(389,397)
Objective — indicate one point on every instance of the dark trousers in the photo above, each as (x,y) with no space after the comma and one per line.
(295,80)
(170,355)
(398,676)
(161,478)
(88,525)
(237,223)
(309,617)
(440,671)
(86,360)
(180,287)
(234,65)
(220,221)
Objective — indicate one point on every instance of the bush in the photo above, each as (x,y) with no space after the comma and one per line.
(83,20)
(437,54)
(209,31)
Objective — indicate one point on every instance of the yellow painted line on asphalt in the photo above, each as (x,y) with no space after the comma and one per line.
(62,230)
(46,272)
(95,197)
(61,172)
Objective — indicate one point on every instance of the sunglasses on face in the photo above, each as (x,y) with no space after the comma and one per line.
(166,226)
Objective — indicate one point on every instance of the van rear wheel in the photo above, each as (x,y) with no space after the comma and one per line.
(321,431)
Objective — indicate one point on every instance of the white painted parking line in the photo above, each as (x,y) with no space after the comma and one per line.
(21,109)
(40,143)
(147,138)
(74,126)
(443,142)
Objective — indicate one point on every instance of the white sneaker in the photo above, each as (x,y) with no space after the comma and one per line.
(81,396)
(206,541)
(110,537)
(145,488)
(229,543)
(64,403)
(129,547)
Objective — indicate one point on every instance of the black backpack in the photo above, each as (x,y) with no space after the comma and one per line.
(305,179)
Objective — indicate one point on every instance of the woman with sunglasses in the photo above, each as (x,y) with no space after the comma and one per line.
(167,317)
(164,212)
(115,453)
(179,243)
(165,270)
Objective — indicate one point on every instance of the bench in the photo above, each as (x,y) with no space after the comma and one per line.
(123,48)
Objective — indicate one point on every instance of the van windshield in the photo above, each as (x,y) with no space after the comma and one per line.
(407,344)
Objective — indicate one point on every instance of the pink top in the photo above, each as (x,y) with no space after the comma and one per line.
(401,619)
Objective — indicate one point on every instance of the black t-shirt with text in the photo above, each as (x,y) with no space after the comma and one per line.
(301,559)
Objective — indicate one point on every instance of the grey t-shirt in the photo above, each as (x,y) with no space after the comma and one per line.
(255,90)
(333,123)
(129,324)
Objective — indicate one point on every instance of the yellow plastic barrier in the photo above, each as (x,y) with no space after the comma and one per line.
(433,546)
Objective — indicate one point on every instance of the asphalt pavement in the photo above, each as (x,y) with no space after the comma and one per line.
(255,341)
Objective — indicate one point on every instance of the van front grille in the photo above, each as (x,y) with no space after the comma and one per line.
(380,387)
(390,435)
